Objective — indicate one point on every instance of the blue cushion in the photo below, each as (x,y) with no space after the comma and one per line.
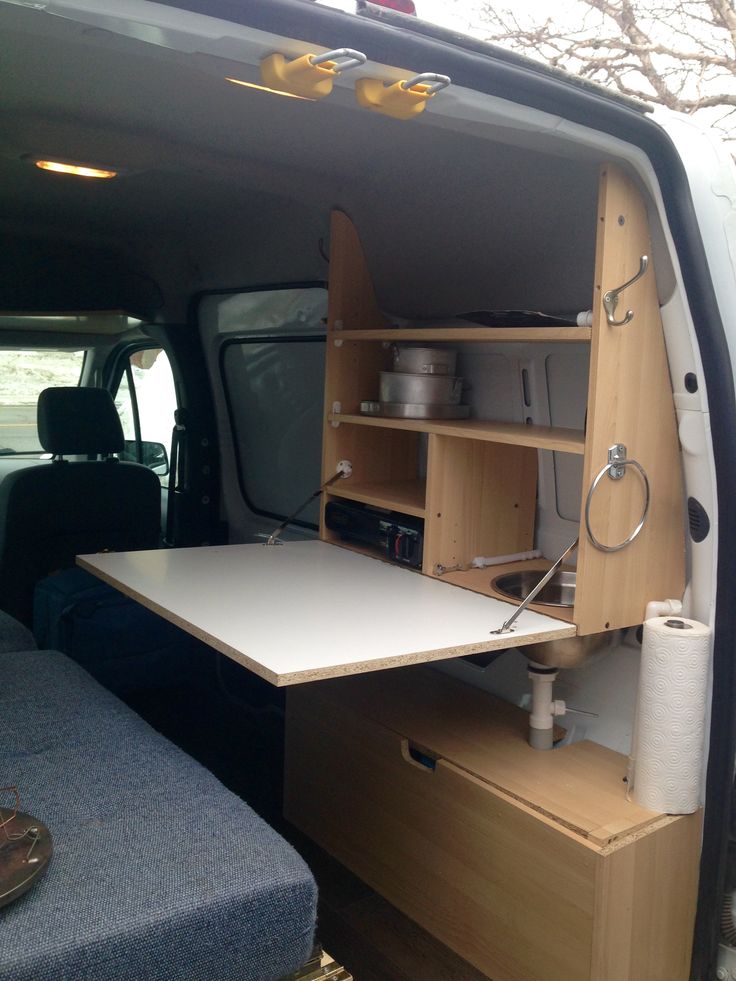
(13,635)
(158,870)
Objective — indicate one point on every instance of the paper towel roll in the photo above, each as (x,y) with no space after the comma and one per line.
(669,731)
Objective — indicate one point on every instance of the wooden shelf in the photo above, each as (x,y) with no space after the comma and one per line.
(406,496)
(517,434)
(479,581)
(553,335)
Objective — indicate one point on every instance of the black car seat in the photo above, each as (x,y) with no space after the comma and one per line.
(52,512)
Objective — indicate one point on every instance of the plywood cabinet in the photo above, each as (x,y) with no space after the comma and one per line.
(478,495)
(530,865)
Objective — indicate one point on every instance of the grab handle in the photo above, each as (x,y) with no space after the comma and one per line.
(417,756)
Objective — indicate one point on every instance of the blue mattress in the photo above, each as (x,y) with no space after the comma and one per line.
(13,635)
(158,870)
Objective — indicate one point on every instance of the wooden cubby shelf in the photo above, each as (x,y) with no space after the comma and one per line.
(405,495)
(477,335)
(514,433)
(482,476)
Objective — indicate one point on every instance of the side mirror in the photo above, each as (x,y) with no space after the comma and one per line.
(152,455)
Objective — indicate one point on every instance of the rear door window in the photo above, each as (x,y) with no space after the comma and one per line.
(272,368)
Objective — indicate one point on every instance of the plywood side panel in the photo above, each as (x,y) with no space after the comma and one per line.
(481,500)
(352,300)
(505,890)
(646,894)
(630,401)
(352,369)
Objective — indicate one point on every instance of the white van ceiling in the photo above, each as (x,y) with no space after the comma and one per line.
(222,186)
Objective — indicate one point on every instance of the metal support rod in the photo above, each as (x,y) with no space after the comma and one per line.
(344,469)
(507,627)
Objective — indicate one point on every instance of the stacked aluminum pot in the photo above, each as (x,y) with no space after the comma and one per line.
(422,385)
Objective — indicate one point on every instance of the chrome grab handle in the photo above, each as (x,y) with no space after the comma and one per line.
(344,58)
(434,81)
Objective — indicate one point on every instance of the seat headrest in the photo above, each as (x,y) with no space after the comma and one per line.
(78,421)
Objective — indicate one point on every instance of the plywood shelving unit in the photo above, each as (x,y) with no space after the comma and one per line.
(528,864)
(479,495)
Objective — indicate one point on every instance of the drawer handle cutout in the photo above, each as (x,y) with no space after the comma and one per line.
(424,759)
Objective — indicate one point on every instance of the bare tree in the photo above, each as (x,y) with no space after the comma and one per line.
(680,54)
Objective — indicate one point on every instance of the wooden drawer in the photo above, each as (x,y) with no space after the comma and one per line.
(507,885)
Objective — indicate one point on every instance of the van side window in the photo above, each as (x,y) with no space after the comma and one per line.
(23,376)
(272,367)
(146,402)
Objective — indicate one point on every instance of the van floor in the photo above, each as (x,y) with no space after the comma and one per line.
(233,724)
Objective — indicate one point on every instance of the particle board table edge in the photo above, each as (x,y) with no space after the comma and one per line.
(350,668)
(255,666)
(337,668)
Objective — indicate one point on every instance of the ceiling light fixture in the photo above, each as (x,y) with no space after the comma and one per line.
(77,170)
(264,88)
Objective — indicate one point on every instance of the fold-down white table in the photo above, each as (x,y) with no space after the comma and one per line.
(308,610)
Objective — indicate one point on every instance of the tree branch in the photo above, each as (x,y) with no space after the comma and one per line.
(681,55)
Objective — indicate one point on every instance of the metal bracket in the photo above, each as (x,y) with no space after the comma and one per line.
(616,461)
(610,299)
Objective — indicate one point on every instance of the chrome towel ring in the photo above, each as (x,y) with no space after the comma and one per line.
(616,468)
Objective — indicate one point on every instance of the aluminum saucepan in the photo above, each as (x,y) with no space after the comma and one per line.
(397,386)
(424,360)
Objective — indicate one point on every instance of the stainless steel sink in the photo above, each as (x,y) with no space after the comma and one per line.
(559,591)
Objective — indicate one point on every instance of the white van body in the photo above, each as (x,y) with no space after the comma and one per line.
(486,201)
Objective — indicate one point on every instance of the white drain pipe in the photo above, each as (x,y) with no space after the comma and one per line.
(544,708)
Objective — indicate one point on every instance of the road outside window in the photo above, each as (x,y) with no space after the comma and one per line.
(154,397)
(23,376)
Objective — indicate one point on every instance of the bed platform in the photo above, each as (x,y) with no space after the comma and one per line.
(158,870)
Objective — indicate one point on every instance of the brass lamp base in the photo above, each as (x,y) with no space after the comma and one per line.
(25,852)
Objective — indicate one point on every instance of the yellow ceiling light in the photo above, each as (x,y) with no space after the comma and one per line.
(265,88)
(78,170)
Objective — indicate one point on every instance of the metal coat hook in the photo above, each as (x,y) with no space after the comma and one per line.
(610,299)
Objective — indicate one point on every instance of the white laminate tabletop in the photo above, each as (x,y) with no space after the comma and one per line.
(308,610)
